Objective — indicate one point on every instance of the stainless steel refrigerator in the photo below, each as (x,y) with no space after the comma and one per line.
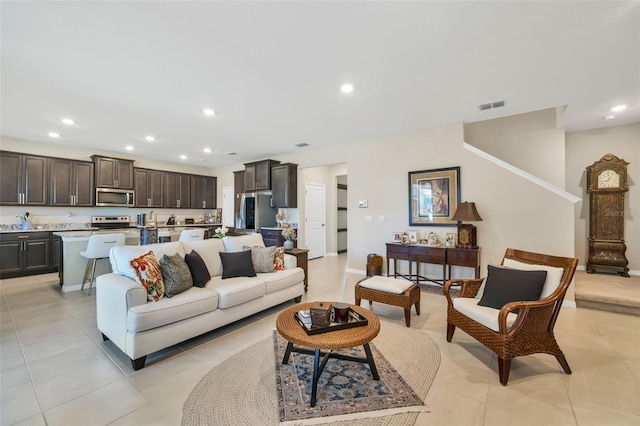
(256,210)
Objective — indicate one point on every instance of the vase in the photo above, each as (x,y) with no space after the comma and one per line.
(288,244)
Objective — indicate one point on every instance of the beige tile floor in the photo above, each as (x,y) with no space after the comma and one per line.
(56,370)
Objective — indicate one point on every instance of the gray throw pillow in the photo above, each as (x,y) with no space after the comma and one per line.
(175,274)
(262,258)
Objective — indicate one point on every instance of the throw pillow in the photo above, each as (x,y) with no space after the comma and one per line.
(506,285)
(237,264)
(278,261)
(198,268)
(176,275)
(262,258)
(148,274)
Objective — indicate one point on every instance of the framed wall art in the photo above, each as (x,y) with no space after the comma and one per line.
(434,196)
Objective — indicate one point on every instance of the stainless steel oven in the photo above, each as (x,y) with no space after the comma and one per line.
(109,197)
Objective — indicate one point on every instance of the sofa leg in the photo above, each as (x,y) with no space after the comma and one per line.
(450,330)
(104,338)
(504,367)
(297,299)
(138,363)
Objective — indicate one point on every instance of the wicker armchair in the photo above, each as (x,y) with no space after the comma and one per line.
(509,334)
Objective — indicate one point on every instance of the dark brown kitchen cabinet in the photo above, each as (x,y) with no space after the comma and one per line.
(23,179)
(149,186)
(203,192)
(257,175)
(113,172)
(284,185)
(71,183)
(177,190)
(25,253)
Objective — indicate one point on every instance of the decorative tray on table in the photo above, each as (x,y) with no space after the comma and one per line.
(304,319)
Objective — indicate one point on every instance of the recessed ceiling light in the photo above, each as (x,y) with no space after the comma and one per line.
(209,112)
(618,108)
(207,150)
(347,88)
(183,157)
(54,135)
(150,138)
(128,148)
(610,117)
(68,121)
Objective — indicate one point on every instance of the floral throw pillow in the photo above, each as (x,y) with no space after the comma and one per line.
(149,274)
(278,261)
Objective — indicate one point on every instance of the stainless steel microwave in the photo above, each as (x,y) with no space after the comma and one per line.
(110,197)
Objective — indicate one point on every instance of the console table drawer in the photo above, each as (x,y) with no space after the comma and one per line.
(423,254)
(399,251)
(463,257)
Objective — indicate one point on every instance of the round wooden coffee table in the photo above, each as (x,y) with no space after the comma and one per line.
(323,344)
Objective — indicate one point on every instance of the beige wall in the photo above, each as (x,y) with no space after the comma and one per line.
(530,142)
(583,149)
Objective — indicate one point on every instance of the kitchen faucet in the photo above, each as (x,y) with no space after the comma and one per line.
(153,217)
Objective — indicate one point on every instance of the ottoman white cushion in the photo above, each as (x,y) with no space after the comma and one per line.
(390,285)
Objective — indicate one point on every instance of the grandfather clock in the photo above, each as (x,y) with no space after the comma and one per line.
(607,185)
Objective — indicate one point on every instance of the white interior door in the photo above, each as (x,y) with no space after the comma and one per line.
(315,219)
(227,206)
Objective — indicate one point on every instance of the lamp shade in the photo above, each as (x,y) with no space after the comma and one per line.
(466,212)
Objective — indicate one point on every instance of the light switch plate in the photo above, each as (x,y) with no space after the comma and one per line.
(363,204)
(368,218)
(381,218)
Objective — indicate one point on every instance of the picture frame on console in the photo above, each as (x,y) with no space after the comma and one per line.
(434,196)
(396,237)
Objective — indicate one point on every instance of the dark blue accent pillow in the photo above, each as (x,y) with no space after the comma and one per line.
(506,285)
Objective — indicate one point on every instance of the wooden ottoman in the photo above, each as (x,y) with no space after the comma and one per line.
(390,291)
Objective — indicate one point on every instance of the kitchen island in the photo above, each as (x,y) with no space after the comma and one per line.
(72,264)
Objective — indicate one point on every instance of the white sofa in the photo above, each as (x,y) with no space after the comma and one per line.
(139,327)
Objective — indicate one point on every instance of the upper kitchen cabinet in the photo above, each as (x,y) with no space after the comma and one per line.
(113,172)
(149,188)
(238,182)
(23,179)
(284,185)
(203,192)
(177,190)
(257,175)
(71,183)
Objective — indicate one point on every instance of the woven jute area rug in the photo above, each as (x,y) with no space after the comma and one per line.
(243,390)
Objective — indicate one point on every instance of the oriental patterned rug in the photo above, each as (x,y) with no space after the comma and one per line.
(253,387)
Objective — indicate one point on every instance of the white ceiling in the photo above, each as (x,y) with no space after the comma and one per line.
(272,71)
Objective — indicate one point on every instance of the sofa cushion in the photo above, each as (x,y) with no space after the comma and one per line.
(120,257)
(262,258)
(232,244)
(554,274)
(207,249)
(482,314)
(235,291)
(199,270)
(190,303)
(149,275)
(506,285)
(176,275)
(282,279)
(237,264)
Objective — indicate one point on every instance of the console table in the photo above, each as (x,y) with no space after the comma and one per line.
(447,257)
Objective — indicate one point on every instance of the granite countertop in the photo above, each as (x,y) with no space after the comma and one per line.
(50,228)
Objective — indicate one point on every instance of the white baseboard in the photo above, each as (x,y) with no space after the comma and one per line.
(75,287)
(571,304)
(357,271)
(331,254)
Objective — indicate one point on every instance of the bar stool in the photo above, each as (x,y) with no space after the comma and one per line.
(98,248)
(192,235)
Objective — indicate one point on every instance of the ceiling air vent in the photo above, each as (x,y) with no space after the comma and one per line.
(302,144)
(232,153)
(491,105)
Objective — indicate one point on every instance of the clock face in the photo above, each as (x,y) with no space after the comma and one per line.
(463,236)
(608,179)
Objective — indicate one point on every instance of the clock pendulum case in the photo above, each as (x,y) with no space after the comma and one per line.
(607,185)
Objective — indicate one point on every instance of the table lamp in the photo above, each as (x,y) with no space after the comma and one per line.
(467,237)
